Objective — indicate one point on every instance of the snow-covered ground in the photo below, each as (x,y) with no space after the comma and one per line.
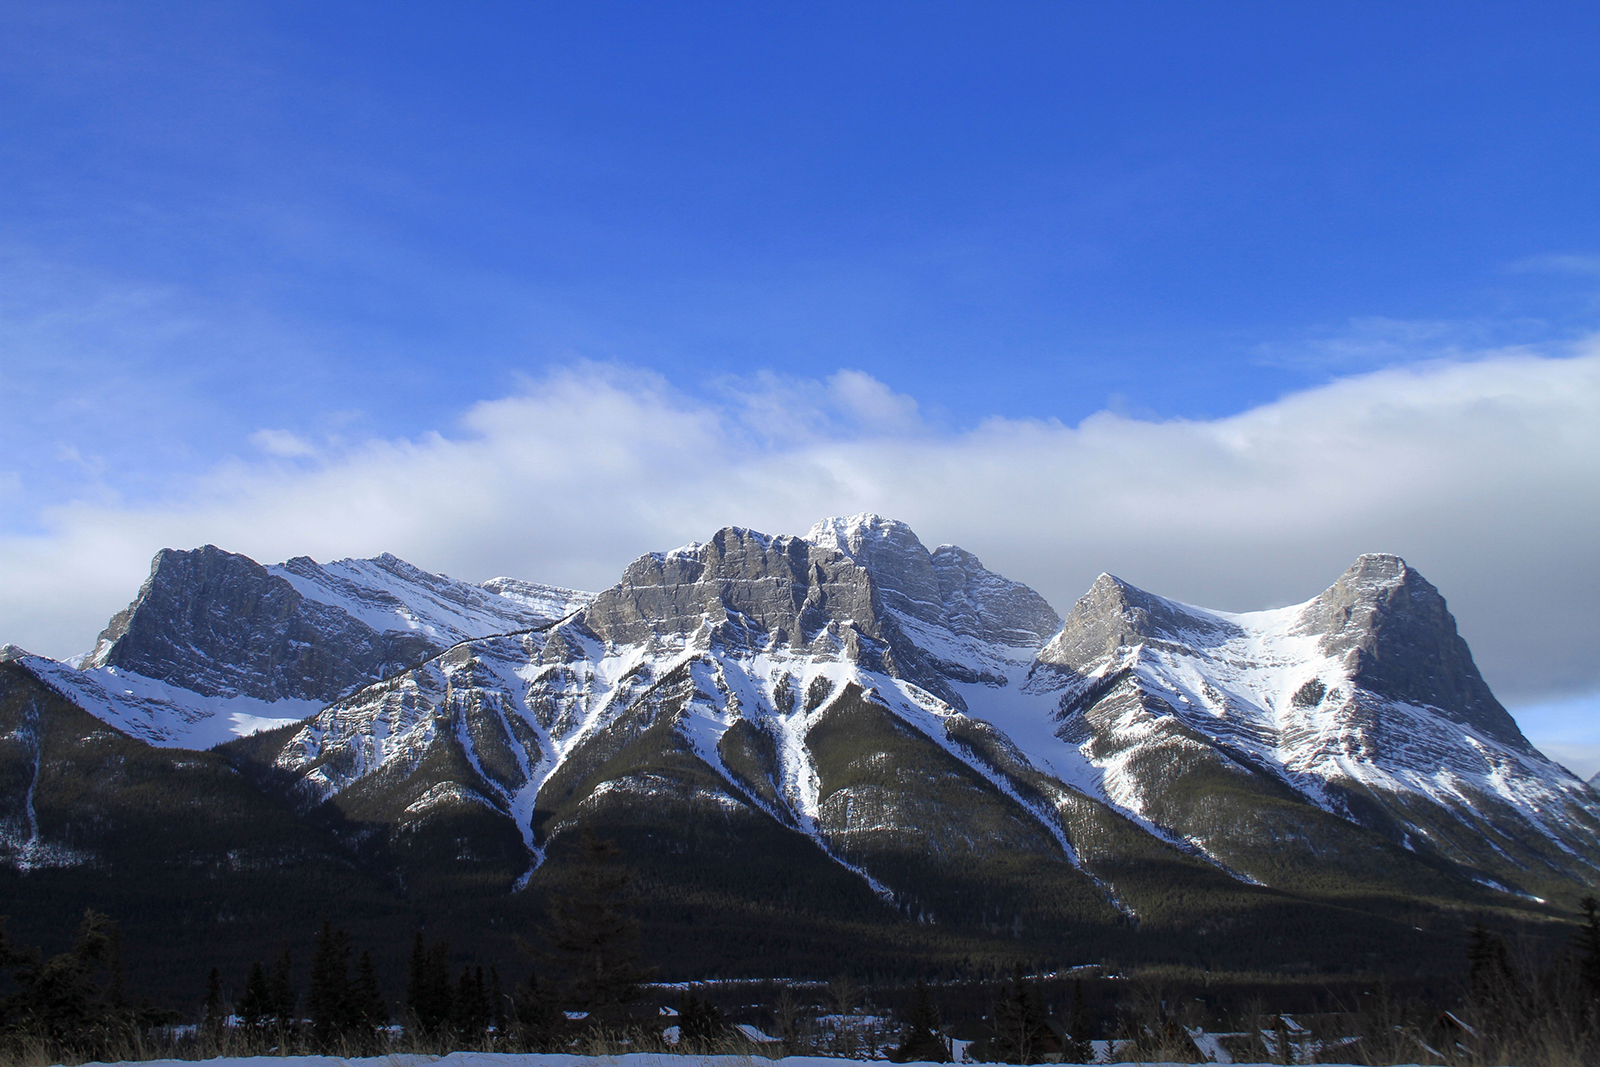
(506,1059)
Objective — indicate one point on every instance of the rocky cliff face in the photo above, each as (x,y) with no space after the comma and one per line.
(884,701)
(1395,637)
(220,624)
(730,654)
(216,645)
(905,732)
(1362,703)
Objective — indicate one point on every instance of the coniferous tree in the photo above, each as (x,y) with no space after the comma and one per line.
(211,1013)
(700,1024)
(1080,1047)
(1019,1026)
(497,1006)
(254,1005)
(428,993)
(470,1009)
(1589,948)
(920,1036)
(283,998)
(368,1011)
(537,1018)
(416,979)
(329,1001)
(1495,987)
(596,939)
(114,991)
(69,1000)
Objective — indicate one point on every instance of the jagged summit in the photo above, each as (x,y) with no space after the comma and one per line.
(751,588)
(863,588)
(216,645)
(1397,637)
(1363,700)
(948,587)
(1387,628)
(1114,614)
(850,705)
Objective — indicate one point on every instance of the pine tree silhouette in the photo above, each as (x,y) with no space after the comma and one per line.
(536,1017)
(429,997)
(329,1001)
(254,1006)
(70,1000)
(497,1006)
(1080,1026)
(368,1011)
(596,939)
(283,999)
(1019,1027)
(920,1036)
(470,1009)
(211,1013)
(700,1024)
(1588,946)
(1496,988)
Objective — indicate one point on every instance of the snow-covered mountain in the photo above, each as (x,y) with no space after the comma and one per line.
(835,733)
(1350,730)
(754,634)
(217,646)
(1363,701)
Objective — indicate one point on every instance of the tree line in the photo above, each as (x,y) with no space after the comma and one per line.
(583,991)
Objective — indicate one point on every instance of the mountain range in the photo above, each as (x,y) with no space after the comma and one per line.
(835,750)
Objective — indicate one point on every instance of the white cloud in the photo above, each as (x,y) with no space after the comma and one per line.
(282,443)
(1582,760)
(1559,264)
(1484,474)
(873,404)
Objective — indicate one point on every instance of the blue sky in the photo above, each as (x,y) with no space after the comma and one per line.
(244,243)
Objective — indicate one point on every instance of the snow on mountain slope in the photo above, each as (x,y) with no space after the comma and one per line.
(216,646)
(1134,703)
(1330,697)
(766,634)
(157,713)
(387,593)
(1353,726)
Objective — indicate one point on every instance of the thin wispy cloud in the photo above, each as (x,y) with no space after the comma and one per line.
(1558,264)
(1485,474)
(282,443)
(1370,343)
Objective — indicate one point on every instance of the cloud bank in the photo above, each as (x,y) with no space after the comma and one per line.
(1484,474)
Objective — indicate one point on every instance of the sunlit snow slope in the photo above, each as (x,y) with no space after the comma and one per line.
(884,700)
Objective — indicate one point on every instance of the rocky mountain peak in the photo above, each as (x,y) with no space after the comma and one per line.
(976,602)
(220,624)
(860,536)
(205,570)
(216,644)
(948,587)
(861,588)
(891,552)
(756,589)
(1115,613)
(1399,639)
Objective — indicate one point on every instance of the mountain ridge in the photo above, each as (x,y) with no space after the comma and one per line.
(854,705)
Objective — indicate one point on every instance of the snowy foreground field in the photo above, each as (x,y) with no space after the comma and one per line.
(507,1059)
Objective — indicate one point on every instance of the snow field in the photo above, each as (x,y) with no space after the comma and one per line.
(510,1059)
